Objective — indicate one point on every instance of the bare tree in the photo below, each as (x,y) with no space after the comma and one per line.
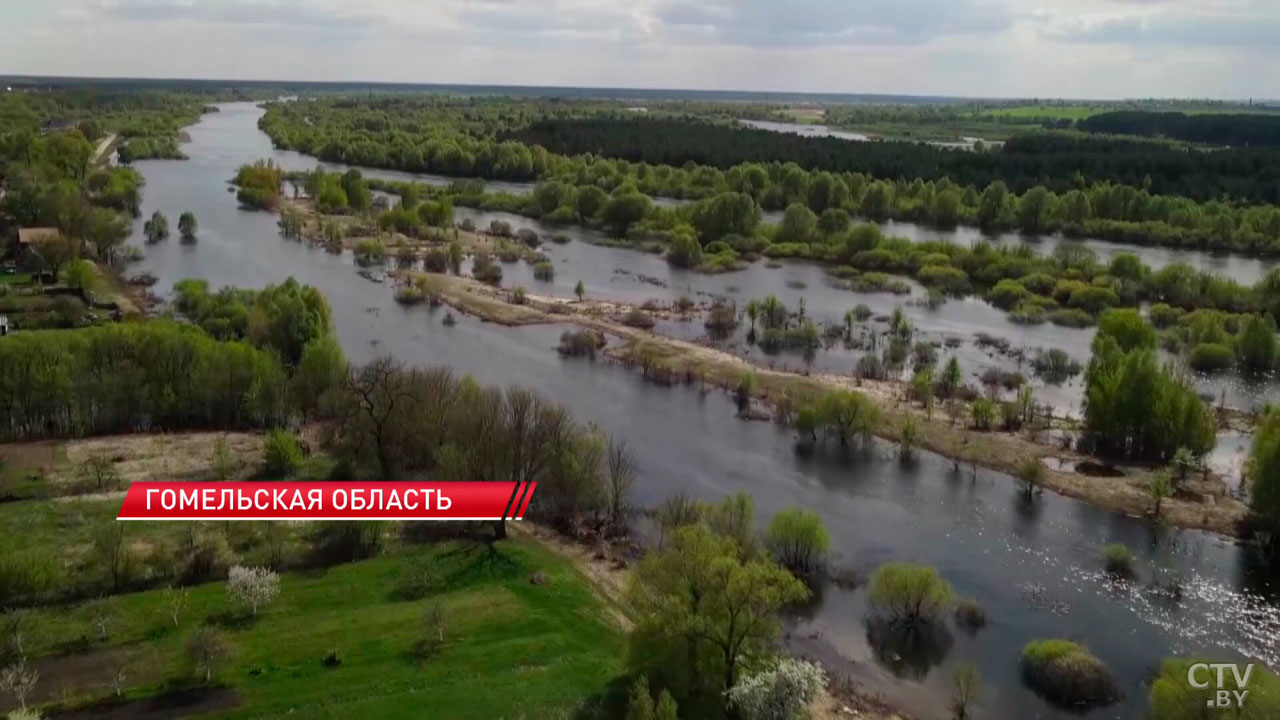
(176,600)
(119,673)
(14,626)
(621,475)
(113,552)
(206,649)
(378,391)
(434,620)
(99,612)
(253,586)
(98,472)
(19,680)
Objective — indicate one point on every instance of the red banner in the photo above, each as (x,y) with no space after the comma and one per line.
(327,501)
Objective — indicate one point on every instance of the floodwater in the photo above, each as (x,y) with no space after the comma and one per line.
(1035,566)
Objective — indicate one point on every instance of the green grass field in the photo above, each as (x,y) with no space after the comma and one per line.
(512,648)
(1061,112)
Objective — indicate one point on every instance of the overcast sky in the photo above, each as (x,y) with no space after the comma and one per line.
(1015,48)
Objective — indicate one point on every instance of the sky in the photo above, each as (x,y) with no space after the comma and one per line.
(1227,49)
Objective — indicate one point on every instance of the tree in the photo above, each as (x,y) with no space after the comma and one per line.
(187,226)
(455,257)
(223,463)
(113,553)
(798,539)
(100,615)
(909,437)
(1257,349)
(622,211)
(798,224)
(697,601)
(175,601)
(951,378)
(1264,475)
(106,230)
(252,586)
(909,594)
(1130,330)
(1031,473)
(782,692)
(19,680)
(965,685)
(667,708)
(640,702)
(282,455)
(57,250)
(81,275)
(157,228)
(1173,698)
(206,650)
(434,621)
(99,472)
(579,290)
(621,475)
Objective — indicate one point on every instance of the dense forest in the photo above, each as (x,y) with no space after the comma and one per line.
(1057,161)
(1213,129)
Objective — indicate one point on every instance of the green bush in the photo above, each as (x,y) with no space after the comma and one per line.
(910,594)
(1118,560)
(282,454)
(1067,673)
(1211,357)
(798,540)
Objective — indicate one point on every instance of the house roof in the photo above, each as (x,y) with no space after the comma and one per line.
(26,236)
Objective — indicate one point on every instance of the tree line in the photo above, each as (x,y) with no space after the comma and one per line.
(1238,129)
(1057,161)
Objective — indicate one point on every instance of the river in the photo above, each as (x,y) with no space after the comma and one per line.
(1034,567)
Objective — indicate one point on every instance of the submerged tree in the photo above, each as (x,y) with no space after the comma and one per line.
(187,226)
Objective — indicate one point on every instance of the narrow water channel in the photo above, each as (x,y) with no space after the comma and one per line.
(1035,567)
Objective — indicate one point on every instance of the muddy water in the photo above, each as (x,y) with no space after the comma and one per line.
(1034,566)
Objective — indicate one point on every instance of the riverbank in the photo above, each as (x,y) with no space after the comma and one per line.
(1206,502)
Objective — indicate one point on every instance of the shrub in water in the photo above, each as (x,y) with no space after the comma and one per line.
(1118,560)
(1067,673)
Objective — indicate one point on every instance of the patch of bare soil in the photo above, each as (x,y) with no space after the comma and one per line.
(197,701)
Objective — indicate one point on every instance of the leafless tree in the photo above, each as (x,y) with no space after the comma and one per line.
(621,475)
(19,680)
(176,600)
(206,649)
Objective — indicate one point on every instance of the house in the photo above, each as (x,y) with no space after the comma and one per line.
(28,255)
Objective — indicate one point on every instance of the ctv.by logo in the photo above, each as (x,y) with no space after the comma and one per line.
(1222,697)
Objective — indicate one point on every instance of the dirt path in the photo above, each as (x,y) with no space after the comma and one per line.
(103,144)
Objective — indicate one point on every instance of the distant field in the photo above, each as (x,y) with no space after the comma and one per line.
(1061,112)
(1078,112)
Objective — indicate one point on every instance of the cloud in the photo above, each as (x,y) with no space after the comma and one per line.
(302,13)
(1187,30)
(980,48)
(833,22)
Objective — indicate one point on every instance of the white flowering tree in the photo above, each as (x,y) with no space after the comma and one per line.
(253,586)
(780,693)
